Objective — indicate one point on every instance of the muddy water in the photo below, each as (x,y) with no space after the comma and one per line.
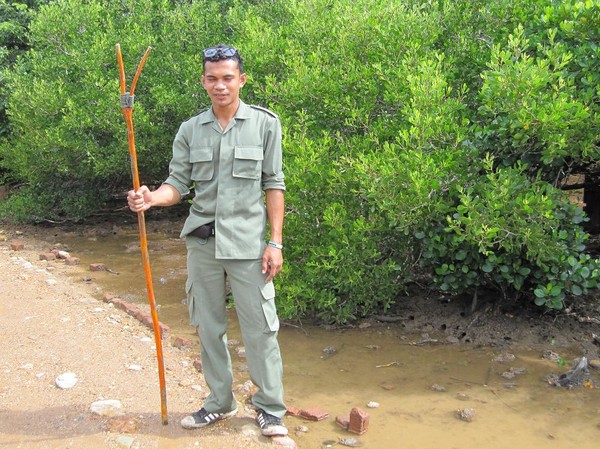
(382,365)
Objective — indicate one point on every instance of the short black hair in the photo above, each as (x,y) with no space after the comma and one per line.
(222,52)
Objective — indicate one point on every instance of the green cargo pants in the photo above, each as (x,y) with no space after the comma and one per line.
(255,307)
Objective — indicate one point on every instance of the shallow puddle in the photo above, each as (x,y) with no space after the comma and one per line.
(419,389)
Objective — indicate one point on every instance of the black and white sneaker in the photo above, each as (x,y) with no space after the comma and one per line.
(203,418)
(270,425)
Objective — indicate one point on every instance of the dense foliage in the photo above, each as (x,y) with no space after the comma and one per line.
(422,137)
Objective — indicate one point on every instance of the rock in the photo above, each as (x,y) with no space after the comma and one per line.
(551,355)
(241,352)
(245,388)
(350,442)
(108,407)
(250,430)
(284,442)
(512,372)
(66,380)
(359,421)
(17,246)
(328,351)
(60,254)
(504,357)
(438,388)
(465,414)
(182,343)
(594,364)
(373,404)
(301,429)
(71,261)
(198,365)
(233,343)
(134,368)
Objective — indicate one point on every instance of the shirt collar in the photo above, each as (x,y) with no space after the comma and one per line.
(242,113)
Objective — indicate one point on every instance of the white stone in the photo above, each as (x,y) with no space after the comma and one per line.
(66,380)
(134,368)
(107,407)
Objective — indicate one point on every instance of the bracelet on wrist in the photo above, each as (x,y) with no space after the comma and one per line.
(275,245)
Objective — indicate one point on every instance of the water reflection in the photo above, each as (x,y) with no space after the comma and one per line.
(419,389)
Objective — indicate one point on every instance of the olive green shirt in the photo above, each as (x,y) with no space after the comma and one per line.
(230,169)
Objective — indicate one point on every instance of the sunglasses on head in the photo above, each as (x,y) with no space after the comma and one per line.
(212,52)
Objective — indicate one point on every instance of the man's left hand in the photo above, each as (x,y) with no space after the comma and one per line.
(272,262)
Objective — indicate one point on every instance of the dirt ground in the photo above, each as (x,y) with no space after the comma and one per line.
(52,325)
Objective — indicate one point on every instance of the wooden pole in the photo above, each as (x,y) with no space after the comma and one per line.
(127,109)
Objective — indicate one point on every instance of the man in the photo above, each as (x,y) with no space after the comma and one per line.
(232,154)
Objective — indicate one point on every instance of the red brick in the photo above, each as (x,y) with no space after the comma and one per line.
(293,411)
(314,414)
(48,256)
(97,267)
(343,421)
(359,421)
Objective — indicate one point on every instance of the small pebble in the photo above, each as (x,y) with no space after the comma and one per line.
(66,381)
(465,414)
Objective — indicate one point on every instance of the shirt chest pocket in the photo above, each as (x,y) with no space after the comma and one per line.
(247,162)
(203,164)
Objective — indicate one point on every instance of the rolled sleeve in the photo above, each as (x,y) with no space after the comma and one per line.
(272,176)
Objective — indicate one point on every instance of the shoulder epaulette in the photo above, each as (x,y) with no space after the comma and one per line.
(271,113)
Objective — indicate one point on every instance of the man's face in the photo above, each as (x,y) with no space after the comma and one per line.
(223,81)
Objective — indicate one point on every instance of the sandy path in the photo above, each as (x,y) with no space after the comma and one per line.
(50,325)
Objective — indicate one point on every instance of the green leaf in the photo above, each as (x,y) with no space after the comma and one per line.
(576,290)
(524,271)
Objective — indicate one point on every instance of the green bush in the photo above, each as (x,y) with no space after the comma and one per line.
(530,111)
(69,139)
(521,237)
(388,109)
